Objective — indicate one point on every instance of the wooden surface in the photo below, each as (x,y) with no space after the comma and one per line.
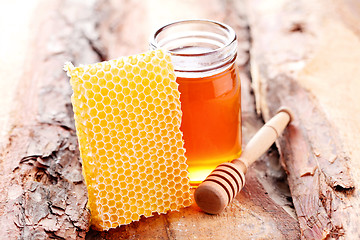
(43,193)
(299,51)
(306,55)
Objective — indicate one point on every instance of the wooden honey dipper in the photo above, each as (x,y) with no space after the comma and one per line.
(227,180)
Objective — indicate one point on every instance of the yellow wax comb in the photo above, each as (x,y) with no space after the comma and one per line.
(127,117)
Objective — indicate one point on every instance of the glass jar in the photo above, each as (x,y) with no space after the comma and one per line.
(203,53)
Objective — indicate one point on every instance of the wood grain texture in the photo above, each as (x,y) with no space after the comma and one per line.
(305,55)
(43,193)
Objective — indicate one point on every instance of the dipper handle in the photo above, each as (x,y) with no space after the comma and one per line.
(227,180)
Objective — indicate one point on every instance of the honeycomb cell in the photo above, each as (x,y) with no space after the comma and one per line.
(105,209)
(114,71)
(106,217)
(132,85)
(111,204)
(101,178)
(107,182)
(150,185)
(139,154)
(87,85)
(132,117)
(145,81)
(159,202)
(102,82)
(171,184)
(149,67)
(122,73)
(101,152)
(106,102)
(127,114)
(126,92)
(93,79)
(113,218)
(128,214)
(140,89)
(115,182)
(106,174)
(102,194)
(96,88)
(110,154)
(148,213)
(123,187)
(124,82)
(137,79)
(118,89)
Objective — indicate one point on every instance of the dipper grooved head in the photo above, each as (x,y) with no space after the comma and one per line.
(210,197)
(219,188)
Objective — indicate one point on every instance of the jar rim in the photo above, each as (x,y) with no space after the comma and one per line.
(232,36)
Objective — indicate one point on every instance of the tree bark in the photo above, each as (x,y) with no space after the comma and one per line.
(43,193)
(305,55)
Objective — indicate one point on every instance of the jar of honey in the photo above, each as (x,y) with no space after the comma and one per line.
(203,53)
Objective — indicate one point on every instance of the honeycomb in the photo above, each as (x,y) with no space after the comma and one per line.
(127,117)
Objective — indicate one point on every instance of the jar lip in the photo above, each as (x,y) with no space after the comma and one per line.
(232,37)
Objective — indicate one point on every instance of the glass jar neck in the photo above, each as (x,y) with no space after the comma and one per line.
(198,48)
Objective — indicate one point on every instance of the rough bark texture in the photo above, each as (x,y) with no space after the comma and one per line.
(43,193)
(305,55)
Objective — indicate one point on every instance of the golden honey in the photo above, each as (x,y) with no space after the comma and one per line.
(211,121)
(203,53)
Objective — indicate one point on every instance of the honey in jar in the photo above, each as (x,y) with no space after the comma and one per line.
(203,53)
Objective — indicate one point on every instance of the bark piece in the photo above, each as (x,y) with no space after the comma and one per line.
(43,193)
(303,56)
